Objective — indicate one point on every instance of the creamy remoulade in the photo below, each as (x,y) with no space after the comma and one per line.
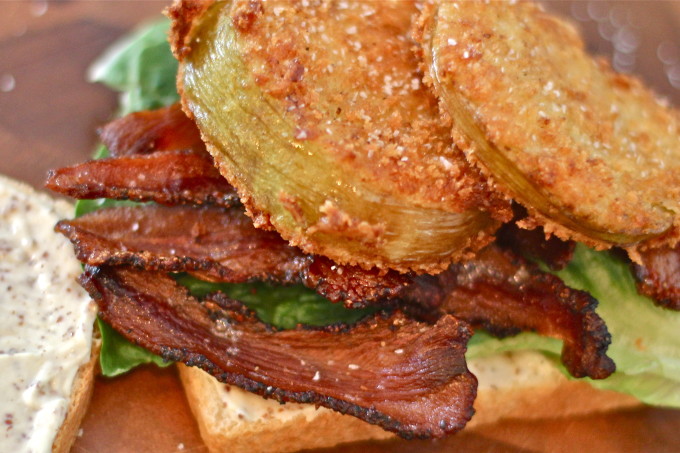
(46,319)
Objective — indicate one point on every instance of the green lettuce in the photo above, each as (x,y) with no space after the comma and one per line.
(281,306)
(645,338)
(141,68)
(118,356)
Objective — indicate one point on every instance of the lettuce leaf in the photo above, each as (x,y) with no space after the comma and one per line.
(141,67)
(118,356)
(645,338)
(281,306)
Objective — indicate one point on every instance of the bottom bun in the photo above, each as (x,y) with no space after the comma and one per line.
(511,385)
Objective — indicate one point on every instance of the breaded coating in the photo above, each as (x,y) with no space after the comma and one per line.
(331,137)
(346,75)
(592,154)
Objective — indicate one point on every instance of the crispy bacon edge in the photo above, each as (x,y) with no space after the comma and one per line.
(498,290)
(164,129)
(431,392)
(658,277)
(505,294)
(169,177)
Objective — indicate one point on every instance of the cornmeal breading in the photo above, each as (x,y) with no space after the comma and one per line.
(349,80)
(592,154)
(316,112)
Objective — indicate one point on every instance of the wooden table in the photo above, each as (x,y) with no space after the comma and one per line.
(48,114)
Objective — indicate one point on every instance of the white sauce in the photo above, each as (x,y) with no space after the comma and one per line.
(46,319)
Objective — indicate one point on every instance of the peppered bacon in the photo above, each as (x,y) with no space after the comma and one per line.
(659,276)
(503,293)
(405,376)
(165,129)
(219,245)
(164,177)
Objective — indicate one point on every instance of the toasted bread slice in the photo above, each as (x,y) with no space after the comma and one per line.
(512,385)
(592,154)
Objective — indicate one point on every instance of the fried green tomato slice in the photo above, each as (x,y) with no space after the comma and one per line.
(316,113)
(592,154)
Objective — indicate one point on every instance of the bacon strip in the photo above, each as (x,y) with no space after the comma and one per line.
(167,178)
(217,245)
(165,129)
(221,243)
(505,294)
(553,251)
(400,374)
(659,276)
(352,285)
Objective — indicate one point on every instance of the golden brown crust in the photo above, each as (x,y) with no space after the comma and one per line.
(591,153)
(81,394)
(379,120)
(334,221)
(182,14)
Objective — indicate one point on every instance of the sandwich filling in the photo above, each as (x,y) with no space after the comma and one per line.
(515,288)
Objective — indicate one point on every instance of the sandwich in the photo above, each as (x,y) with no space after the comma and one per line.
(393,208)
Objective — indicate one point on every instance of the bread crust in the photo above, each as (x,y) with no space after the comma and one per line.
(537,392)
(81,393)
